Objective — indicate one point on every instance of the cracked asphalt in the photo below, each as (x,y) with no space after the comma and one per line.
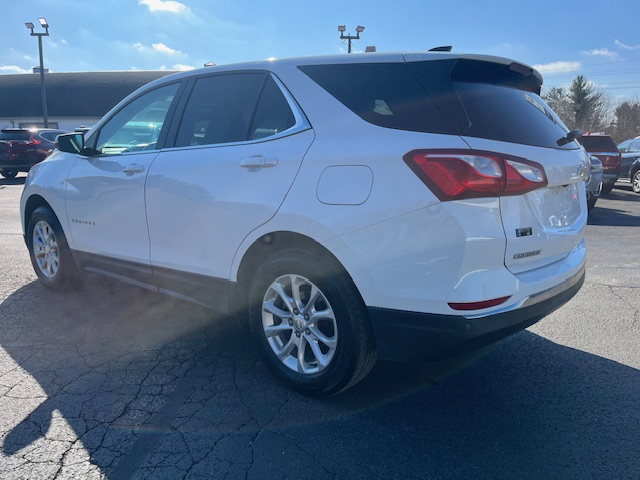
(112,382)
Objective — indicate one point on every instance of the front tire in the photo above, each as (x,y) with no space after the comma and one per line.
(607,187)
(635,182)
(310,323)
(50,254)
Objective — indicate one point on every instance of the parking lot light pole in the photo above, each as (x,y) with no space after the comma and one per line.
(342,29)
(44,25)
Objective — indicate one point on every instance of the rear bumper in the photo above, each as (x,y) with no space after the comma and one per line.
(413,336)
(609,177)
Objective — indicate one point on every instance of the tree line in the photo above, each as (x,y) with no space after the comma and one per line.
(585,107)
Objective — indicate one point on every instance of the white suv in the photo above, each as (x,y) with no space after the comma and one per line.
(408,207)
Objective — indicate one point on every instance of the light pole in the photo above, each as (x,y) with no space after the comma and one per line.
(342,29)
(44,25)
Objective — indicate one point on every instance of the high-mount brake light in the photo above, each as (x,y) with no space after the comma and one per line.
(460,174)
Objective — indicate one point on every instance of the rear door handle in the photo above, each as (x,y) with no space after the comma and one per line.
(133,168)
(258,162)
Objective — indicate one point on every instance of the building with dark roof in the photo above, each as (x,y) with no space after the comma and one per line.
(73,99)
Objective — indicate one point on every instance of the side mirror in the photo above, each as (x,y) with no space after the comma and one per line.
(70,142)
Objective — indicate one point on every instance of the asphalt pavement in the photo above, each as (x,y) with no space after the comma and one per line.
(112,382)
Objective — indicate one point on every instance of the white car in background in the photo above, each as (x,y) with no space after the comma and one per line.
(402,206)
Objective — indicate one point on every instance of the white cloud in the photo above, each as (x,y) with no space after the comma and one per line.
(13,69)
(626,47)
(183,68)
(138,46)
(558,67)
(165,6)
(162,48)
(600,52)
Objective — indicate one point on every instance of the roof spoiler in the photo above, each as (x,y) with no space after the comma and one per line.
(445,48)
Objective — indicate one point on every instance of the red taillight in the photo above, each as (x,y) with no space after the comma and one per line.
(459,174)
(479,305)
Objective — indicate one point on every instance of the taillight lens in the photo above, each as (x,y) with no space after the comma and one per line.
(460,174)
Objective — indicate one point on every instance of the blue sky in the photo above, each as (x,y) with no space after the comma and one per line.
(600,40)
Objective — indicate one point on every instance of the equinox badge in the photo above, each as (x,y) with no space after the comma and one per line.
(532,253)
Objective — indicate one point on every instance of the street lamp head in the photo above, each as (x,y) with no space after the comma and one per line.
(43,22)
(359,29)
(342,28)
(29,25)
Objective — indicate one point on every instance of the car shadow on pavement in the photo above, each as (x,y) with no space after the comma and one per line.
(116,383)
(605,214)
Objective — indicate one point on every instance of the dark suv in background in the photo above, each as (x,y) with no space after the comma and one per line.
(22,148)
(604,148)
(630,164)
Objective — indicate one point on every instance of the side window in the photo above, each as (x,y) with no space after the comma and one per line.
(384,94)
(219,109)
(634,147)
(46,135)
(138,124)
(273,114)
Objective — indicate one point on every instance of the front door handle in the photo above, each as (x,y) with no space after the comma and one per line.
(258,162)
(133,168)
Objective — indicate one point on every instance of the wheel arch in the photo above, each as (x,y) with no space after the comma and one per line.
(33,202)
(272,242)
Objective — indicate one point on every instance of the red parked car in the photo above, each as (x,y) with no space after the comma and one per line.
(604,148)
(22,148)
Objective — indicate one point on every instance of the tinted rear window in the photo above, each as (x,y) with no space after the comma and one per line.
(385,94)
(454,96)
(598,143)
(491,100)
(15,135)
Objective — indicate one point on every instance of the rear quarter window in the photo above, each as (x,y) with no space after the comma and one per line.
(384,94)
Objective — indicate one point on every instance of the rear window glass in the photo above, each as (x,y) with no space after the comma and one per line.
(511,115)
(15,135)
(385,94)
(493,101)
(598,143)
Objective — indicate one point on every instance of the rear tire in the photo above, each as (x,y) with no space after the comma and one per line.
(310,323)
(635,182)
(8,174)
(49,251)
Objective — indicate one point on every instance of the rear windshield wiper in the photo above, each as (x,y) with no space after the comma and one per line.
(571,136)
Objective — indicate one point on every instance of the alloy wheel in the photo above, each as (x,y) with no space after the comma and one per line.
(45,249)
(299,324)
